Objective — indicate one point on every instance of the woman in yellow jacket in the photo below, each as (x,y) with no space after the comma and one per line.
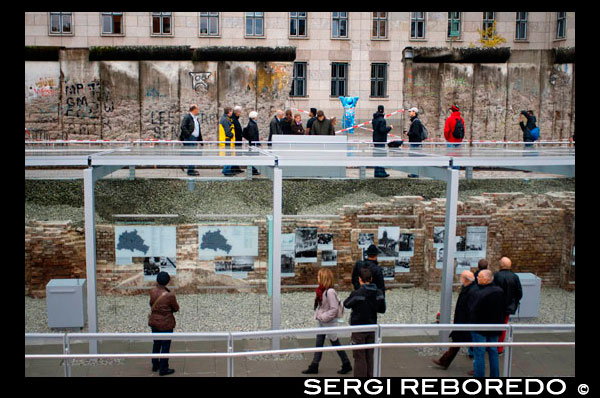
(226,133)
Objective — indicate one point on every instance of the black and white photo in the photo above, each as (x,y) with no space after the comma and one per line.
(365,240)
(402,264)
(325,242)
(439,258)
(223,267)
(406,245)
(476,241)
(461,244)
(306,245)
(388,273)
(287,264)
(328,258)
(242,264)
(438,236)
(387,243)
(462,264)
(154,265)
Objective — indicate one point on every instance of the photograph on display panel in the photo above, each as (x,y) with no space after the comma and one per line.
(287,264)
(402,264)
(387,243)
(365,239)
(439,258)
(388,273)
(306,245)
(438,236)
(406,245)
(227,240)
(463,264)
(476,241)
(154,265)
(328,258)
(325,242)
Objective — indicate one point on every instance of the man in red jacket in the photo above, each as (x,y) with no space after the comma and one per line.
(450,129)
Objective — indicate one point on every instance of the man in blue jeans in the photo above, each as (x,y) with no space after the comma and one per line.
(487,306)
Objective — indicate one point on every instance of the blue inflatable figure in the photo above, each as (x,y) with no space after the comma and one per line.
(349,104)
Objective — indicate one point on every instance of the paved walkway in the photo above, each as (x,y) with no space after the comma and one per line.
(405,362)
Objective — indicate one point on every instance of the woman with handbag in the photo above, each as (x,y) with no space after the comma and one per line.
(163,304)
(327,311)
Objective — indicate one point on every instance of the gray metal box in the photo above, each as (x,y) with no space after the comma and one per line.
(66,303)
(529,306)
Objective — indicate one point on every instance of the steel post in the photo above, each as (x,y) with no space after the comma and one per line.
(90,256)
(508,353)
(230,360)
(377,354)
(276,282)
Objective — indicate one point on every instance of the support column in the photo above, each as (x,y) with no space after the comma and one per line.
(276,281)
(90,256)
(449,250)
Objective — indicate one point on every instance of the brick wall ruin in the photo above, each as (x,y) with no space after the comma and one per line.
(535,231)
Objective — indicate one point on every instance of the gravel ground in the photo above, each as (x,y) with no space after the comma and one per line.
(252,311)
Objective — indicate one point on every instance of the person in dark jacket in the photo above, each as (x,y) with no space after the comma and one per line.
(415,132)
(297,128)
(226,135)
(526,127)
(252,135)
(380,132)
(312,117)
(190,132)
(486,306)
(322,126)
(461,315)
(365,303)
(286,122)
(371,263)
(513,292)
(275,125)
(481,265)
(163,304)
(235,118)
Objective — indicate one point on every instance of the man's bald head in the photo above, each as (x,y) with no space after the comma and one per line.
(485,277)
(505,263)
(466,277)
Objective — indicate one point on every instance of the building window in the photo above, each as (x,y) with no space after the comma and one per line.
(162,23)
(378,80)
(454,25)
(561,25)
(61,23)
(488,22)
(299,80)
(255,23)
(112,23)
(521,30)
(298,24)
(417,25)
(339,79)
(379,25)
(209,24)
(339,24)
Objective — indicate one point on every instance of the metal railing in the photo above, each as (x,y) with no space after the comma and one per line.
(231,337)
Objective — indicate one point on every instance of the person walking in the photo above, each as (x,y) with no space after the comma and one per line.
(286,123)
(365,303)
(380,133)
(237,127)
(161,320)
(326,312)
(251,133)
(415,132)
(275,125)
(191,133)
(297,128)
(527,124)
(461,315)
(312,117)
(454,129)
(227,134)
(322,126)
(486,307)
(371,263)
(513,292)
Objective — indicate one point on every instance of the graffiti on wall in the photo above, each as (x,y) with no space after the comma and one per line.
(82,100)
(44,87)
(199,80)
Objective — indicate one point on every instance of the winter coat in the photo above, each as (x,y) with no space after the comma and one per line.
(297,129)
(326,312)
(226,131)
(161,316)
(322,127)
(461,312)
(511,286)
(486,305)
(310,122)
(252,132)
(238,129)
(187,128)
(380,128)
(376,274)
(526,128)
(274,127)
(450,125)
(414,132)
(286,126)
(365,303)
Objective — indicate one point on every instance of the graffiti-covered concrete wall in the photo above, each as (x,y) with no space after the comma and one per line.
(491,95)
(79,99)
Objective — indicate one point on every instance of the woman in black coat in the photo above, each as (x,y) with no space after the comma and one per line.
(250,133)
(380,133)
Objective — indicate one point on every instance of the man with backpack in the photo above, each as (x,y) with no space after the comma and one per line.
(531,132)
(454,129)
(416,133)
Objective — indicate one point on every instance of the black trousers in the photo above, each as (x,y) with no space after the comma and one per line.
(363,359)
(321,343)
(161,347)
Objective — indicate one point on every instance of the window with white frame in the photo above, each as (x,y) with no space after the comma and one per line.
(209,24)
(255,22)
(417,25)
(339,79)
(298,24)
(521,28)
(61,23)
(299,80)
(162,23)
(454,22)
(378,80)
(112,23)
(488,21)
(561,25)
(339,24)
(380,25)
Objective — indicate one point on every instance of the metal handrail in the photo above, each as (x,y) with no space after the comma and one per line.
(232,336)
